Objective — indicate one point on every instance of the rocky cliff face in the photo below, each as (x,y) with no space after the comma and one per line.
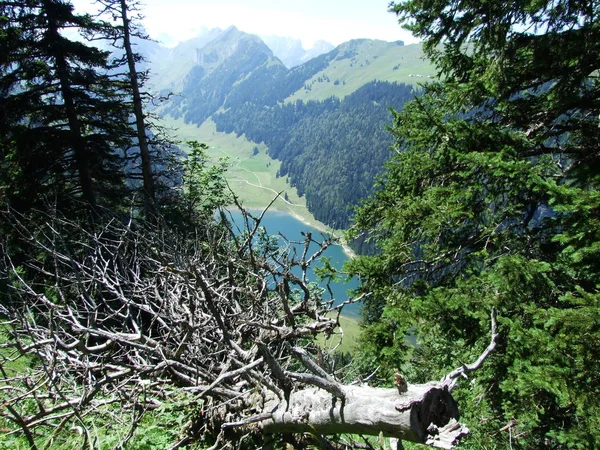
(291,52)
(216,69)
(320,48)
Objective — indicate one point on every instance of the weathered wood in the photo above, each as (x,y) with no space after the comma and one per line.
(418,415)
(249,365)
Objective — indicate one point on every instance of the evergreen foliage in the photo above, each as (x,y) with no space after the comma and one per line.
(204,188)
(492,200)
(62,118)
(331,150)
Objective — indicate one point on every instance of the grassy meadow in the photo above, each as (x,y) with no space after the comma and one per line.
(373,60)
(251,177)
(344,340)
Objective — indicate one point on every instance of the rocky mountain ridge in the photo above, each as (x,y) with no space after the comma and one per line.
(322,118)
(291,51)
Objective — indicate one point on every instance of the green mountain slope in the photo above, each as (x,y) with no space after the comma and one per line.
(358,62)
(331,150)
(324,120)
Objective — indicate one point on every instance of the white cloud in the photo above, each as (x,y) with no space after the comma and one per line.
(335,21)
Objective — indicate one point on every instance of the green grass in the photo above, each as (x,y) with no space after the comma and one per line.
(343,343)
(11,360)
(375,60)
(251,177)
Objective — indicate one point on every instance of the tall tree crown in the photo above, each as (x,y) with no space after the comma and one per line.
(491,200)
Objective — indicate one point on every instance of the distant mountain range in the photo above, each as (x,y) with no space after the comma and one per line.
(170,65)
(322,112)
(290,51)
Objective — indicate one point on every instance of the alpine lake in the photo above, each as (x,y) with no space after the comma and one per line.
(288,232)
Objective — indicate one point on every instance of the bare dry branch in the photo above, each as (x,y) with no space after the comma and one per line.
(133,315)
(451,379)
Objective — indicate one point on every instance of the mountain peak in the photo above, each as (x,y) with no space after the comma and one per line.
(291,51)
(232,29)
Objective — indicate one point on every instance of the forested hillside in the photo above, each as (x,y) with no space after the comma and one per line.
(331,150)
(331,147)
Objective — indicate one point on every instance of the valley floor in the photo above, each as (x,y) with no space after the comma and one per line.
(251,175)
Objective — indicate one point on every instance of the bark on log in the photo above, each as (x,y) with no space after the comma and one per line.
(425,413)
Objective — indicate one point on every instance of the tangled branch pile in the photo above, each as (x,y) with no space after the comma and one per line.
(127,316)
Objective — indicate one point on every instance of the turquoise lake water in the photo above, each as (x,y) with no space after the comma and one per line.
(278,222)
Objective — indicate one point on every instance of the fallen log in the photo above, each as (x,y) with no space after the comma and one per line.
(425,413)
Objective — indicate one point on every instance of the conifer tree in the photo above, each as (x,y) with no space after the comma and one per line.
(123,31)
(63,120)
(492,200)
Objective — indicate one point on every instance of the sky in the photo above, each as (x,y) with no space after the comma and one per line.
(335,21)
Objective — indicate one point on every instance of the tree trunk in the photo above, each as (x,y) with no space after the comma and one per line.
(79,151)
(425,413)
(149,194)
(201,322)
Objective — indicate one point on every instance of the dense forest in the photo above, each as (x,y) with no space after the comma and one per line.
(135,315)
(330,150)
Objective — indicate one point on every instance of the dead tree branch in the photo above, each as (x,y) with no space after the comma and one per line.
(451,379)
(226,318)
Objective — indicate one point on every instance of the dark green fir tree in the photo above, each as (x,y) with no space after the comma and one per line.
(62,120)
(492,200)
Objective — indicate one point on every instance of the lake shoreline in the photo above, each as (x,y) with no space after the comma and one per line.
(291,233)
(314,223)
